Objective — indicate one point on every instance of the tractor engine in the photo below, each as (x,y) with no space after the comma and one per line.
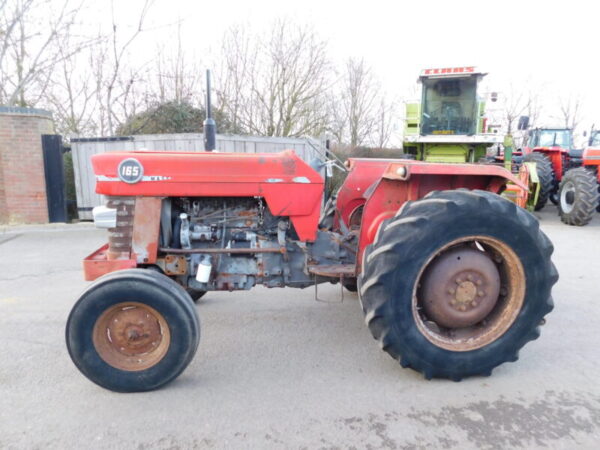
(225,243)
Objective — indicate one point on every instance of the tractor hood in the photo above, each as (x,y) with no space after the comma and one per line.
(289,185)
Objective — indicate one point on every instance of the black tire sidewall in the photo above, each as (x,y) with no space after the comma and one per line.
(418,251)
(183,328)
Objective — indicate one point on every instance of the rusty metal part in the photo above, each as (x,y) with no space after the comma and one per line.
(356,217)
(131,336)
(119,238)
(334,270)
(173,265)
(146,226)
(460,287)
(465,305)
(187,251)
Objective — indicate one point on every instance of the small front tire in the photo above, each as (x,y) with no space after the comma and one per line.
(133,330)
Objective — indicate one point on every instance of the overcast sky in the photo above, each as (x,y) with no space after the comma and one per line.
(548,45)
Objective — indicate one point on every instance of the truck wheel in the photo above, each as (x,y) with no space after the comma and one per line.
(457,283)
(133,330)
(545,174)
(578,197)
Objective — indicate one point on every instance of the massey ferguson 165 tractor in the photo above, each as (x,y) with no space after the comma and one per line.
(453,279)
(578,195)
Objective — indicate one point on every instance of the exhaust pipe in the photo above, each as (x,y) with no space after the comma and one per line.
(210,126)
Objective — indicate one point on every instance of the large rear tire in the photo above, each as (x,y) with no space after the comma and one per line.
(133,330)
(457,283)
(578,197)
(545,175)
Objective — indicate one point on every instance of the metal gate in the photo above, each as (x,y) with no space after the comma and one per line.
(55,177)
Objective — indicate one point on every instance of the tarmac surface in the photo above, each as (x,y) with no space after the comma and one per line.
(276,369)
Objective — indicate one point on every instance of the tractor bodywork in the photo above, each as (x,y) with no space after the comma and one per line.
(578,195)
(440,260)
(591,155)
(557,145)
(255,217)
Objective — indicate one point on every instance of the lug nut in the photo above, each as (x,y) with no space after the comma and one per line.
(469,277)
(458,281)
(451,291)
(481,293)
(478,282)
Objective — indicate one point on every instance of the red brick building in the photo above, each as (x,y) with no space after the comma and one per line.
(22,182)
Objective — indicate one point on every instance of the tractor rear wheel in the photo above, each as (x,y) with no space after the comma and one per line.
(133,330)
(457,283)
(545,175)
(578,197)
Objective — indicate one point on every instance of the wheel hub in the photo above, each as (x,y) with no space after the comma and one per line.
(131,336)
(460,288)
(567,197)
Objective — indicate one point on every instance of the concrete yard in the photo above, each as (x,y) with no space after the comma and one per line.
(276,369)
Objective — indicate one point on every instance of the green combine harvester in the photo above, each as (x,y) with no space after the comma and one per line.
(449,124)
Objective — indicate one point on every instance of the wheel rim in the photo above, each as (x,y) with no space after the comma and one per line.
(469,293)
(567,197)
(131,336)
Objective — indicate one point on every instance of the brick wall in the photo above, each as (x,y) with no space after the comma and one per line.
(22,183)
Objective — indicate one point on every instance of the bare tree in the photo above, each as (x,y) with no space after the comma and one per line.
(570,110)
(178,77)
(359,112)
(115,83)
(72,94)
(277,82)
(516,102)
(384,124)
(33,40)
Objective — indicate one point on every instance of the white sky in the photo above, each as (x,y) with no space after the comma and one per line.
(549,44)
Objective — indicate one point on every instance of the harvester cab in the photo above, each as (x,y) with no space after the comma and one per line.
(449,123)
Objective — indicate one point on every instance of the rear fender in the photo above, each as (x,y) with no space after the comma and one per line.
(591,158)
(404,181)
(557,156)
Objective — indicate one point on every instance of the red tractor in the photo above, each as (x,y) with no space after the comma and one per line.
(578,195)
(552,151)
(453,279)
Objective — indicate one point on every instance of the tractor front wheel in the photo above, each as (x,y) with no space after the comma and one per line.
(133,330)
(457,283)
(578,197)
(545,175)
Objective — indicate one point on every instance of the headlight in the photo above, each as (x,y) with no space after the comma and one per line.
(104,217)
